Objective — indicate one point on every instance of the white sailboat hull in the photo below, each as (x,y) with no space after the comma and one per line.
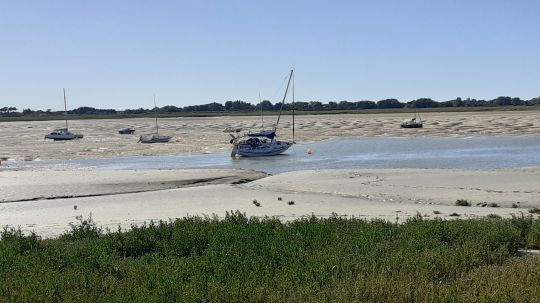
(263,150)
(62,134)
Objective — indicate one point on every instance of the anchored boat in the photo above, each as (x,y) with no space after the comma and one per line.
(415,122)
(154,138)
(263,143)
(61,134)
(126,131)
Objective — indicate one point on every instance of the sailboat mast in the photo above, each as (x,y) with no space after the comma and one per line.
(260,104)
(65,107)
(284,97)
(155,111)
(293,110)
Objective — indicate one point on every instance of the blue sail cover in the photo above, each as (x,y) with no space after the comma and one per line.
(270,134)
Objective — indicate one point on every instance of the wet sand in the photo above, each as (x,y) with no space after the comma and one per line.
(390,194)
(25,140)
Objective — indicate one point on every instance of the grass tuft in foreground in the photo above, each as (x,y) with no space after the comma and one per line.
(264,260)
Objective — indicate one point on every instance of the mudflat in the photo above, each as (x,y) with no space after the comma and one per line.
(25,140)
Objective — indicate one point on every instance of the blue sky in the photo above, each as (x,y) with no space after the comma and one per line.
(116,54)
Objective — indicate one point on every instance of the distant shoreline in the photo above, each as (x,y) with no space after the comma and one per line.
(272,113)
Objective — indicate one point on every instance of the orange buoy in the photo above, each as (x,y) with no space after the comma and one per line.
(309,151)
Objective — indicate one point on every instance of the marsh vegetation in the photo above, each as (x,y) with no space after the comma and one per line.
(265,260)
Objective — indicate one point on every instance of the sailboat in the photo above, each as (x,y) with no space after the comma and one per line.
(263,143)
(415,122)
(155,138)
(63,133)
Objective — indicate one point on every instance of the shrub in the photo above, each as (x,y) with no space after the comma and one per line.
(85,229)
(462,202)
(533,239)
(534,210)
(265,260)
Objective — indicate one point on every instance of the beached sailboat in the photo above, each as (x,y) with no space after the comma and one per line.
(264,142)
(63,133)
(155,138)
(415,122)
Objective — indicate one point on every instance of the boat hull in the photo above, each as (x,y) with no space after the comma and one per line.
(154,139)
(263,150)
(415,125)
(127,131)
(63,135)
(59,138)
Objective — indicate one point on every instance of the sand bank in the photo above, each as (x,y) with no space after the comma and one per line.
(23,186)
(25,140)
(391,194)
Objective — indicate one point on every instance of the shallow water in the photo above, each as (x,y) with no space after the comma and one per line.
(357,152)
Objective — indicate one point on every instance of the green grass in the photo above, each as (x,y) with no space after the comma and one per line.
(242,259)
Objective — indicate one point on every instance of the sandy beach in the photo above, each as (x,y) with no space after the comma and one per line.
(25,140)
(48,201)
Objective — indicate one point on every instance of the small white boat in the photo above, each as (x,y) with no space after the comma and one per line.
(412,123)
(262,143)
(63,133)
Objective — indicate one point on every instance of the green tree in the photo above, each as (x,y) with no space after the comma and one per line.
(389,103)
(266,105)
(315,105)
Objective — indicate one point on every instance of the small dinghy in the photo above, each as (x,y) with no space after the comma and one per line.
(126,131)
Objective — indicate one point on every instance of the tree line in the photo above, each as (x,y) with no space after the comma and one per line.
(266,105)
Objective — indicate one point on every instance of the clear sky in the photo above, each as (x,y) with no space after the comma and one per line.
(116,54)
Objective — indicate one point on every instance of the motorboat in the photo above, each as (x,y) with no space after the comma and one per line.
(126,131)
